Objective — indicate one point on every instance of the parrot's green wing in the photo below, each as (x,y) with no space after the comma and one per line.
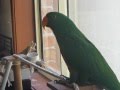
(83,57)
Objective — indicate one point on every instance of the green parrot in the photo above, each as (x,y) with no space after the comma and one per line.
(85,63)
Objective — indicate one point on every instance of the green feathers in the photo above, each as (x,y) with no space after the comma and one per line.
(84,61)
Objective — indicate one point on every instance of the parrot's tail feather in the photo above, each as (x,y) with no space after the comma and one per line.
(118,88)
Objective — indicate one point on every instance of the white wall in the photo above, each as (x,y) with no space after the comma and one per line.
(99,20)
(5,18)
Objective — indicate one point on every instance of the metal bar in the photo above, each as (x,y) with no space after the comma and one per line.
(36,66)
(6,75)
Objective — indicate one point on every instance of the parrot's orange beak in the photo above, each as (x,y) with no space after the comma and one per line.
(44,21)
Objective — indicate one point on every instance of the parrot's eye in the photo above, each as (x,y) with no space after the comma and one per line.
(54,16)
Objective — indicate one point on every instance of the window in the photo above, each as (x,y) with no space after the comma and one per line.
(49,47)
(51,52)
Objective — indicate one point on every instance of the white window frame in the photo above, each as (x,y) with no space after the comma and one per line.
(37,27)
(62,6)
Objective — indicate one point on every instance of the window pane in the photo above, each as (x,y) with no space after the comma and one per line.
(51,51)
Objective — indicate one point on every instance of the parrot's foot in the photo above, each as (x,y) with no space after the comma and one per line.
(68,84)
(64,82)
(64,77)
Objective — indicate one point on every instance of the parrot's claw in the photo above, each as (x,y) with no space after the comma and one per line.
(64,77)
(68,84)
(64,82)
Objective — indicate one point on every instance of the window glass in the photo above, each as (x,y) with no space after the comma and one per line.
(51,52)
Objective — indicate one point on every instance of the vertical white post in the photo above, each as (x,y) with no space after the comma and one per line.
(37,26)
(73,11)
(63,9)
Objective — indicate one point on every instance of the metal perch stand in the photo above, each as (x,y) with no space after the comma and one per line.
(5,78)
(16,60)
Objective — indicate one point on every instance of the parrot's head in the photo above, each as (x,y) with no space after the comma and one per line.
(56,20)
